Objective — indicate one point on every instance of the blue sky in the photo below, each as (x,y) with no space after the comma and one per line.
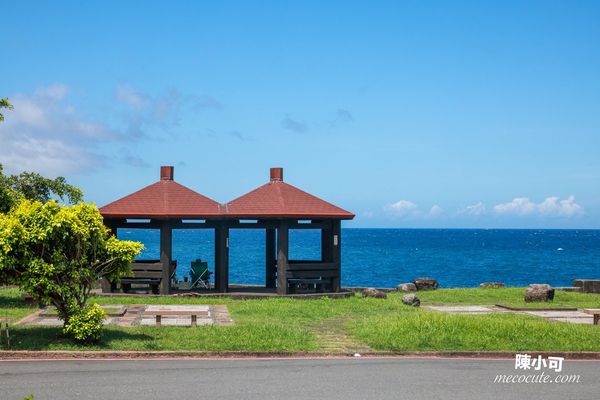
(410,114)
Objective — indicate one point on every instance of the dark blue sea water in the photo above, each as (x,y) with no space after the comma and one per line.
(386,257)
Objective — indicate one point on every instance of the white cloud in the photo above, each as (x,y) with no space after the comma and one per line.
(144,112)
(435,211)
(476,209)
(56,91)
(551,206)
(44,134)
(129,95)
(402,208)
(407,208)
(563,208)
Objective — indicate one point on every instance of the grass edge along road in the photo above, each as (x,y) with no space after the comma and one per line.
(291,325)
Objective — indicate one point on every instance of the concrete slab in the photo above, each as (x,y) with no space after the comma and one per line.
(462,309)
(177,321)
(186,307)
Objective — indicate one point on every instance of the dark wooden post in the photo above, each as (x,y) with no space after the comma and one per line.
(222,258)
(326,242)
(337,253)
(282,257)
(166,245)
(270,258)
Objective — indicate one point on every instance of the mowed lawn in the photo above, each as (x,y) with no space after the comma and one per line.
(292,325)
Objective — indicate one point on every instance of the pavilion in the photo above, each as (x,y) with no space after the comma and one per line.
(275,207)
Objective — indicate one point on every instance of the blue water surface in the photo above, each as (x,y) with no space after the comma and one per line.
(386,257)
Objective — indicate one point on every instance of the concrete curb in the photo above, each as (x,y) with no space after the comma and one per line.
(8,355)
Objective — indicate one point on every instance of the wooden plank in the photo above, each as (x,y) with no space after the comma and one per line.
(146,266)
(312,274)
(282,257)
(312,266)
(145,274)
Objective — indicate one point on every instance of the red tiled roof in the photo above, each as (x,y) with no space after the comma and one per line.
(278,199)
(163,199)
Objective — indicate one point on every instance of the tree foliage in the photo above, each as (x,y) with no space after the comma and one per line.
(4,103)
(56,252)
(33,186)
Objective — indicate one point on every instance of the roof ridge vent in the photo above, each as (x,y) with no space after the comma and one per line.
(276,174)
(167,172)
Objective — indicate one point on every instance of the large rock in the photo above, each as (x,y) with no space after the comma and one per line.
(406,287)
(491,285)
(411,300)
(426,284)
(539,292)
(372,292)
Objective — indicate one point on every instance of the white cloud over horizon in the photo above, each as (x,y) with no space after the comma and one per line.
(407,208)
(520,207)
(551,207)
(476,209)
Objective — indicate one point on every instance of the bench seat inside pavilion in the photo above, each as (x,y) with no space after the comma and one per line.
(275,207)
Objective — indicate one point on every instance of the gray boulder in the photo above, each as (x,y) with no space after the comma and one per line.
(491,285)
(411,300)
(406,287)
(539,292)
(372,292)
(426,284)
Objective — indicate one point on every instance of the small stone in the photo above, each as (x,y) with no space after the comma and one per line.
(496,285)
(539,292)
(372,292)
(426,284)
(406,287)
(411,300)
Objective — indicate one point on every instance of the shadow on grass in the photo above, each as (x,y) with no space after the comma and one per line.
(52,338)
(11,302)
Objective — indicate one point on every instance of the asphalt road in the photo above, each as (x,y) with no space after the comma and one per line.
(332,379)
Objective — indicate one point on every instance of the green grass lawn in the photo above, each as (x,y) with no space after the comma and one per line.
(290,325)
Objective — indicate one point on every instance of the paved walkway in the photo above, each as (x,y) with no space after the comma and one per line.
(139,314)
(575,317)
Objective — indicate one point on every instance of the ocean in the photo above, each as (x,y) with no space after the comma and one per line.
(386,257)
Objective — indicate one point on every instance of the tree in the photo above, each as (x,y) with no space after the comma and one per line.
(57,252)
(33,186)
(4,103)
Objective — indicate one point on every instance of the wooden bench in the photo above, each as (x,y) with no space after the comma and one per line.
(175,313)
(145,273)
(320,274)
(595,312)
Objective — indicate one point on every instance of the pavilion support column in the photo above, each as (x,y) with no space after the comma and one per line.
(282,257)
(326,242)
(222,258)
(166,255)
(270,258)
(107,286)
(337,253)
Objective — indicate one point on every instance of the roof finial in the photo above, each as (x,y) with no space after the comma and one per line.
(276,174)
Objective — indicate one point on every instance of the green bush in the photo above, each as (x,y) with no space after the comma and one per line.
(85,325)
